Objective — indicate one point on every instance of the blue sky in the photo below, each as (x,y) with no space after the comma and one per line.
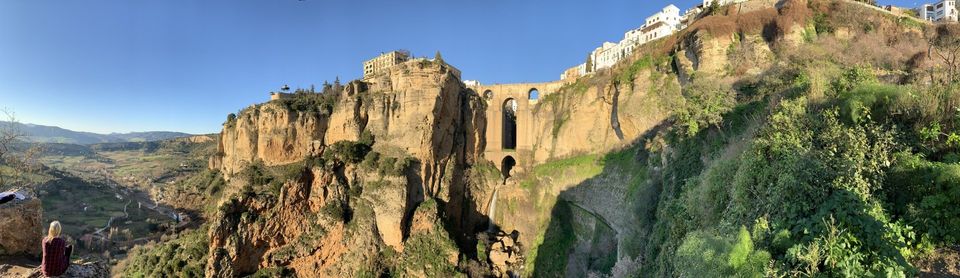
(181,65)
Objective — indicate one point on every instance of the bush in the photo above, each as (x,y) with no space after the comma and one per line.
(180,257)
(706,255)
(705,101)
(334,210)
(868,101)
(852,78)
(348,151)
(310,101)
(270,272)
(925,195)
(231,119)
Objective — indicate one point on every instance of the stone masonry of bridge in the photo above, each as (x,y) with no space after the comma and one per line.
(497,96)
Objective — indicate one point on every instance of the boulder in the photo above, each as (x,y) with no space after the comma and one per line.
(80,270)
(21,227)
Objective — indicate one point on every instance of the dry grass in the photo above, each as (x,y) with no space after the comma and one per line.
(771,22)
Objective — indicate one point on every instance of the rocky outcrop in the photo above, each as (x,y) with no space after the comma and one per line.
(271,133)
(251,225)
(22,227)
(419,109)
(98,269)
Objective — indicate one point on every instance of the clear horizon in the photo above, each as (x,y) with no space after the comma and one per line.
(111,66)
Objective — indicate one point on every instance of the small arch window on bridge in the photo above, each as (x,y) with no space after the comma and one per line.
(533,94)
(509,131)
(488,94)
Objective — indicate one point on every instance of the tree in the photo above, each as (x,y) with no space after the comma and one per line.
(14,163)
(437,57)
(337,88)
(944,47)
(327,88)
(589,63)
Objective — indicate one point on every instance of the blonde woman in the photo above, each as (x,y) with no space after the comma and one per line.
(56,252)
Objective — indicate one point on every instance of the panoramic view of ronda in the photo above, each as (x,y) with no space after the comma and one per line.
(427,138)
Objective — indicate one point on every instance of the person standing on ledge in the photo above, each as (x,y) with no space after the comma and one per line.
(56,252)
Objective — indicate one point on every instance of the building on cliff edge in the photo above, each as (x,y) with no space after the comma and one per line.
(945,10)
(661,24)
(384,61)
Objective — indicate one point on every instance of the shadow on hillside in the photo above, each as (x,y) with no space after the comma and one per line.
(579,240)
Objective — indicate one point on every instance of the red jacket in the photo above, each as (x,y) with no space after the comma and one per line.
(55,261)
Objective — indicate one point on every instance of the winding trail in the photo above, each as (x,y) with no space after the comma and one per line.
(100,231)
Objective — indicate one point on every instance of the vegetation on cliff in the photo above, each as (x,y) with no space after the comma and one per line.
(833,157)
(812,138)
(183,256)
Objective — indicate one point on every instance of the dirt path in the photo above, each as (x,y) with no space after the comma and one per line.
(944,262)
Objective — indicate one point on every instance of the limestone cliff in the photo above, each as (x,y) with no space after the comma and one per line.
(350,213)
(270,133)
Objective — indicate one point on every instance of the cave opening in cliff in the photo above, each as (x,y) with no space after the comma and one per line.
(509,124)
(507,165)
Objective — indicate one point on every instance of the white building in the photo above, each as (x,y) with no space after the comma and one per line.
(605,56)
(471,83)
(661,24)
(574,72)
(945,10)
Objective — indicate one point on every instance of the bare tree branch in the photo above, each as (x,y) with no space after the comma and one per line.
(15,164)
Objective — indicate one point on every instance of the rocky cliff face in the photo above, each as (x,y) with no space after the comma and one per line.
(354,216)
(350,214)
(334,217)
(270,133)
(23,227)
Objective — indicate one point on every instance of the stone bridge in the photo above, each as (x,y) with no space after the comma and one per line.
(511,127)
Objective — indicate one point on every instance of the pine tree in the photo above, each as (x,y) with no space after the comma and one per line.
(589,63)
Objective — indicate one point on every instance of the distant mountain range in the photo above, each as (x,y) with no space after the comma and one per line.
(53,134)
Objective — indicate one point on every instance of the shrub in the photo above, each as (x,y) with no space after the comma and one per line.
(334,210)
(180,257)
(705,101)
(270,272)
(310,101)
(256,175)
(706,255)
(868,101)
(348,151)
(925,194)
(852,78)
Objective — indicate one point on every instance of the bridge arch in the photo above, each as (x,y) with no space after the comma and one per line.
(509,140)
(506,166)
(533,94)
(488,94)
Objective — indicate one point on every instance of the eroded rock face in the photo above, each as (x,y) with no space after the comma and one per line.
(321,222)
(251,225)
(22,227)
(270,133)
